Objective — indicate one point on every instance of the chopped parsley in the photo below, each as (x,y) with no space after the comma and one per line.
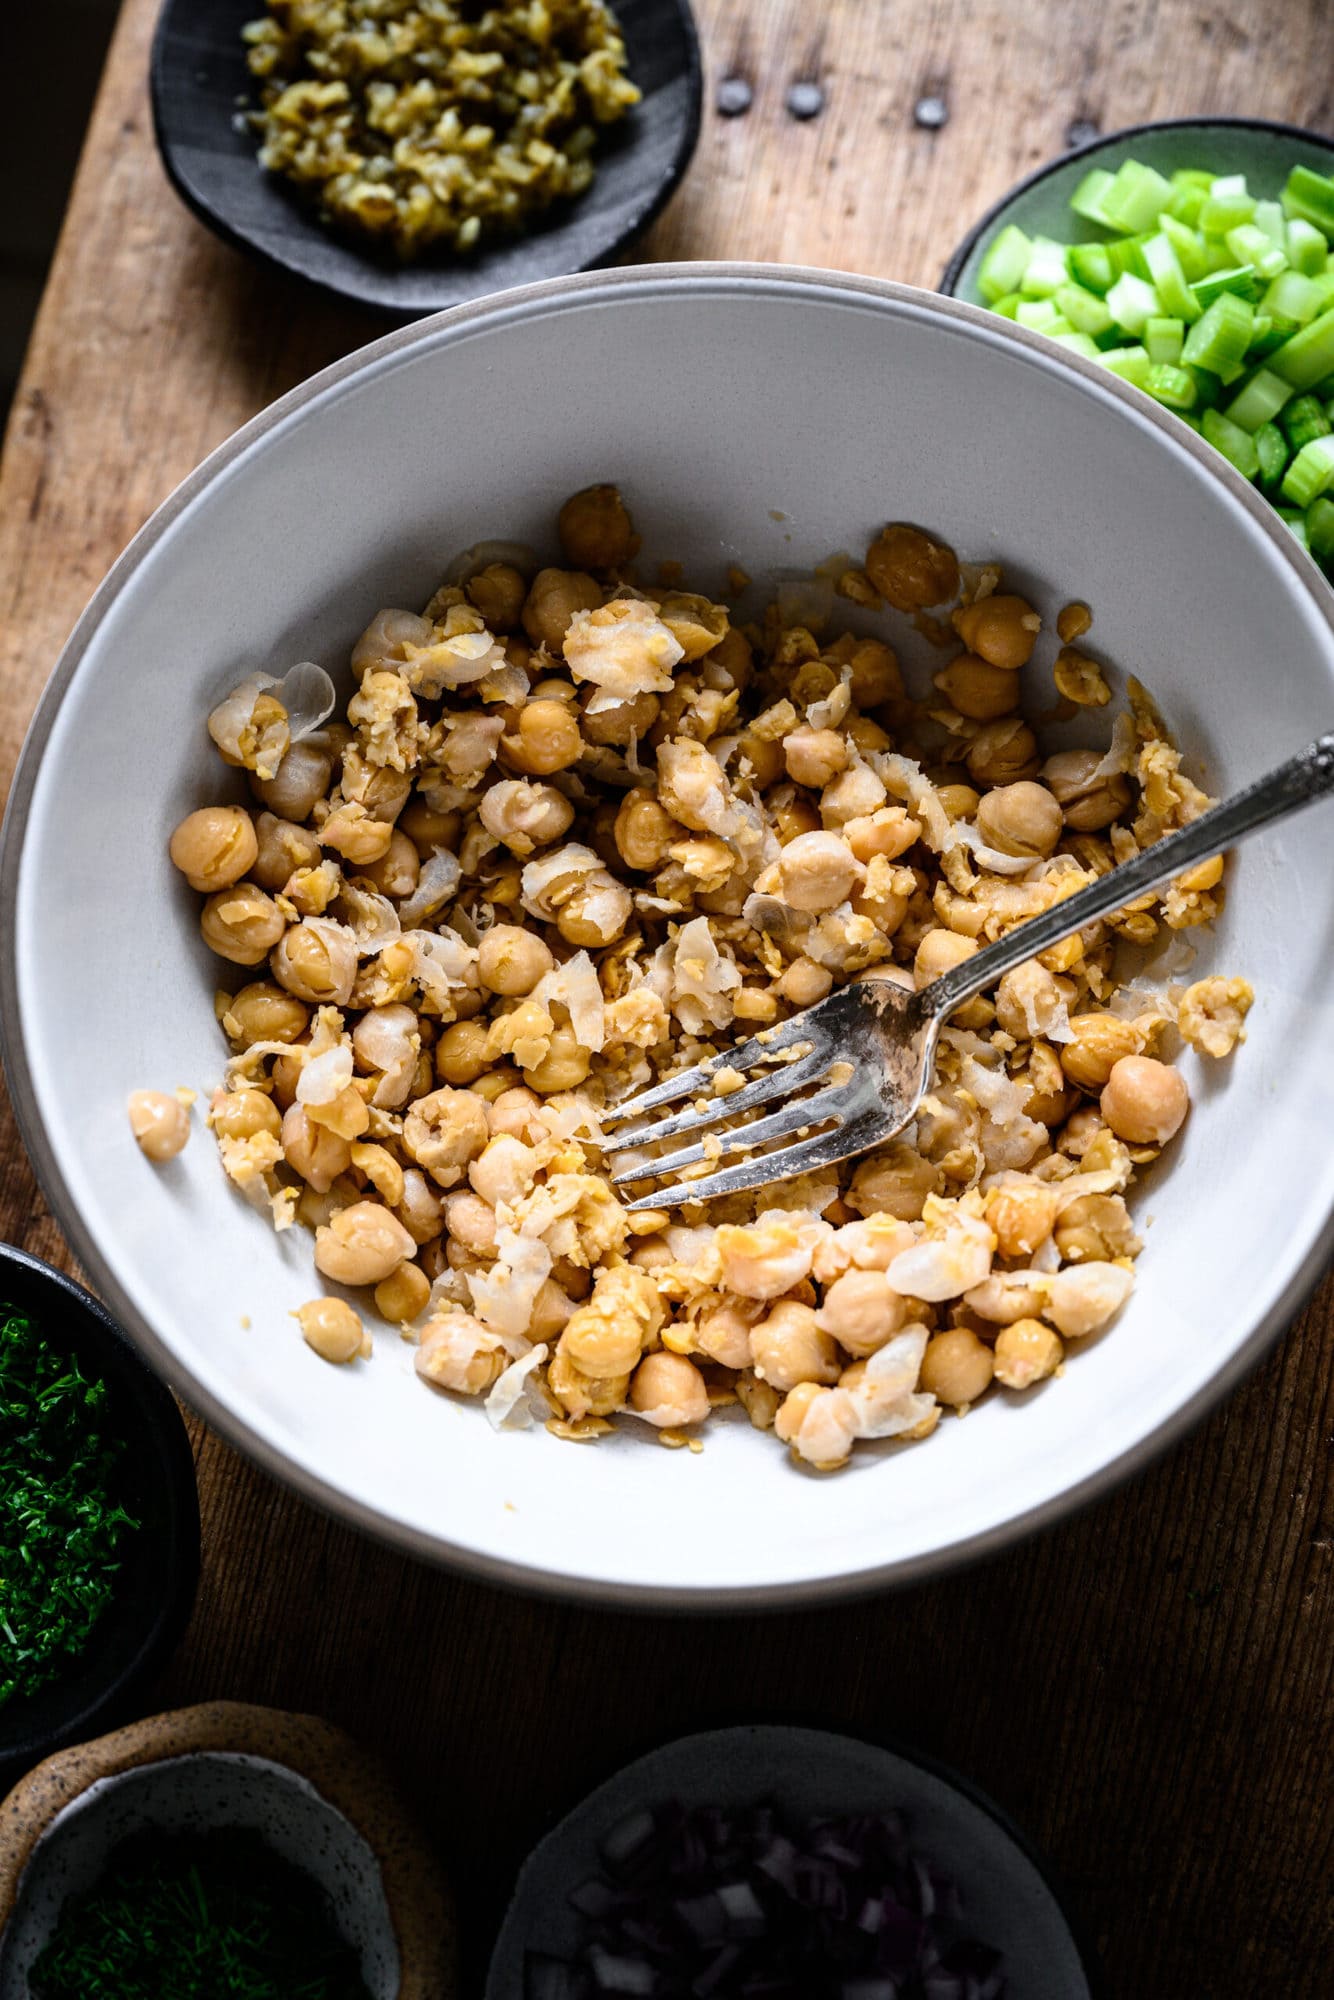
(213,1916)
(62,1527)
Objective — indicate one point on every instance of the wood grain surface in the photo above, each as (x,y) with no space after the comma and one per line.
(1148,1688)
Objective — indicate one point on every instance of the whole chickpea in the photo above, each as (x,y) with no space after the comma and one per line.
(332,1329)
(283,847)
(959,801)
(817,871)
(876,677)
(805,982)
(1028,1001)
(791,813)
(544,738)
(1098,1042)
(471,1221)
(361,1245)
(214,847)
(1002,630)
(460,1053)
(444,1132)
(398,869)
(242,924)
(317,961)
(1026,1352)
(403,1295)
(313,1151)
(597,912)
(241,1114)
(498,592)
(503,1171)
(596,531)
(428,829)
(976,689)
(159,1122)
(758,757)
(696,624)
(525,816)
(1020,819)
(911,571)
(956,1368)
(1144,1101)
(895,1183)
(790,1346)
(421,1211)
(564,1067)
(644,831)
(510,961)
(862,1311)
(1095,1228)
(1089,803)
(613,726)
(1002,753)
(667,1389)
(353,832)
(939,952)
(262,1012)
(299,783)
(553,598)
(814,756)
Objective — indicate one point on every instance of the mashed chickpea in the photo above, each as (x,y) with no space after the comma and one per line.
(578,831)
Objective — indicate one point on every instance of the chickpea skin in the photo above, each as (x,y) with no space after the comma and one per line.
(160,1124)
(1144,1101)
(510,961)
(956,1368)
(667,1389)
(361,1245)
(332,1329)
(214,847)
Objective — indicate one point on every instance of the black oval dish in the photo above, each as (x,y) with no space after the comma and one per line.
(156,1586)
(1152,132)
(199,79)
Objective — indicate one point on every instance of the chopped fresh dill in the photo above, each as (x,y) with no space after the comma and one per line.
(62,1528)
(212,1916)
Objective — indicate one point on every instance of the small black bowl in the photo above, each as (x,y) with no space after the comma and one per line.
(155,1588)
(200,82)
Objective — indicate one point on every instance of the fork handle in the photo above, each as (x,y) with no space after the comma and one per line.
(1303,779)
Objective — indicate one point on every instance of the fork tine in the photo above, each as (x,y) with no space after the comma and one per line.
(824,1150)
(774,1083)
(789,1118)
(692,1081)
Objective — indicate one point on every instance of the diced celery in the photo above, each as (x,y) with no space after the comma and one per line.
(1191,421)
(1193,177)
(1310,472)
(1307,356)
(1236,445)
(1307,249)
(1259,400)
(1309,197)
(1188,246)
(1006,306)
(1239,279)
(1078,343)
(1175,295)
(1320,529)
(1091,266)
(1270,218)
(1086,312)
(1269,334)
(1042,316)
(1291,296)
(1226,211)
(1003,267)
(1186,203)
(1272,450)
(1132,364)
(1045,271)
(1208,388)
(1296,521)
(1135,198)
(1250,245)
(1087,197)
(1219,338)
(1170,385)
(1127,254)
(1132,303)
(1163,339)
(1226,184)
(1304,419)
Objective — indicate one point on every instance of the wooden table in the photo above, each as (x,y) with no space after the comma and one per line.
(1148,1687)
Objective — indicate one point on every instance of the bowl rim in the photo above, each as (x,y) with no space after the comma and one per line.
(727,276)
(170,1606)
(219,222)
(953,271)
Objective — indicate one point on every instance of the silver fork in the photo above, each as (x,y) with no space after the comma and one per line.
(884,1037)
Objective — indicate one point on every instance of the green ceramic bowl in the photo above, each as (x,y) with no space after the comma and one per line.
(1040,205)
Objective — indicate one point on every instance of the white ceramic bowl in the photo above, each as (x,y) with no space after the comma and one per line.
(753,415)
